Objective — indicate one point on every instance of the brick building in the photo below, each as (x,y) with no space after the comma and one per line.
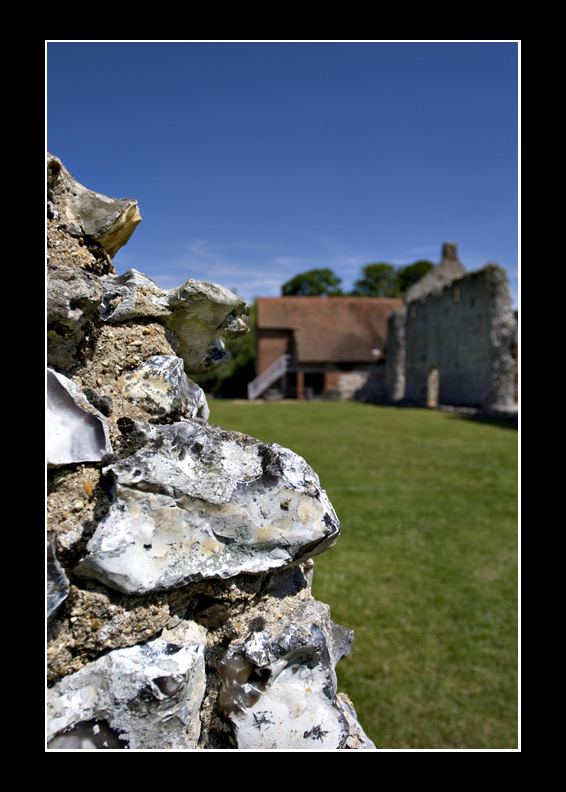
(309,346)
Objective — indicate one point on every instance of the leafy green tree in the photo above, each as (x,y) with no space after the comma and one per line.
(412,273)
(379,280)
(313,283)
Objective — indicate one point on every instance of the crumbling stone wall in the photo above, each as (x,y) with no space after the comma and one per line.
(466,333)
(455,335)
(179,603)
(396,352)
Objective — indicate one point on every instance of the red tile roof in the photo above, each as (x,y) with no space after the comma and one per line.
(330,329)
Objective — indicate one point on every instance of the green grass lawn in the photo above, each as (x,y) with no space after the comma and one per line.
(425,571)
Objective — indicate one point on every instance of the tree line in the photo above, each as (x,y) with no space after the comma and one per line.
(378,280)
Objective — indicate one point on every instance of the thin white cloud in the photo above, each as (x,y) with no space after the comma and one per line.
(253,271)
(244,266)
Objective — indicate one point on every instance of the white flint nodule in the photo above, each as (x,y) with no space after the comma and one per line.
(146,696)
(75,430)
(199,502)
(161,384)
(279,687)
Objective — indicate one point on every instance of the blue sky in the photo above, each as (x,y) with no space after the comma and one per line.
(254,161)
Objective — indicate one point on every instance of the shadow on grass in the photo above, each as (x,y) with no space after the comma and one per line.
(505,420)
(510,422)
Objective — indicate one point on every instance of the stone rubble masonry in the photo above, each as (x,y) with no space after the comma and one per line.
(84,213)
(445,273)
(179,555)
(458,329)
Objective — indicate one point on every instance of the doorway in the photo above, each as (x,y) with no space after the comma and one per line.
(432,386)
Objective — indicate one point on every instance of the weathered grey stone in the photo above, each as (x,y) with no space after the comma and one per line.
(144,697)
(57,581)
(82,212)
(132,296)
(161,385)
(279,686)
(396,351)
(357,739)
(76,431)
(73,296)
(199,313)
(445,273)
(192,536)
(202,314)
(454,342)
(198,502)
(462,337)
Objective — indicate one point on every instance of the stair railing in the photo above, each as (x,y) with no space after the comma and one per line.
(261,383)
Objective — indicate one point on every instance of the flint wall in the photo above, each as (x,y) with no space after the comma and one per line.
(179,555)
(466,332)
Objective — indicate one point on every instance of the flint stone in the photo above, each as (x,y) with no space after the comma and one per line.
(198,502)
(72,297)
(357,739)
(76,431)
(161,385)
(56,579)
(279,687)
(200,314)
(434,281)
(82,212)
(146,696)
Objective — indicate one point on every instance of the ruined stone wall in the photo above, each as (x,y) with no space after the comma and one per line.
(179,555)
(454,341)
(396,351)
(446,272)
(465,331)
